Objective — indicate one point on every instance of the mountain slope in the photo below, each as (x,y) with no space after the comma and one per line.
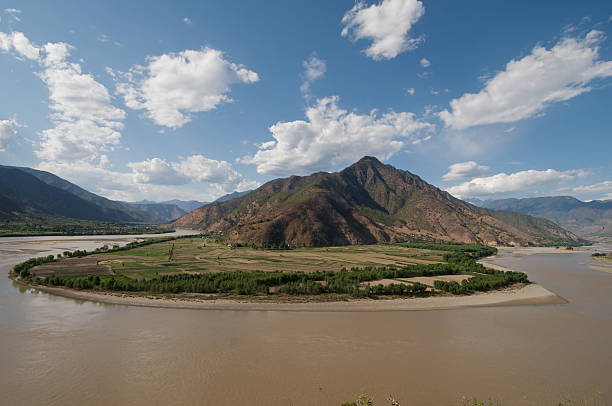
(96,207)
(586,219)
(23,194)
(368,202)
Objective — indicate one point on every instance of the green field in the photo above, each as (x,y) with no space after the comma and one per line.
(202,265)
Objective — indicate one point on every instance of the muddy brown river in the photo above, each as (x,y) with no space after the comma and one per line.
(58,351)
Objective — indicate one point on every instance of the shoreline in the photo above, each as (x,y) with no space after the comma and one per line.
(532,294)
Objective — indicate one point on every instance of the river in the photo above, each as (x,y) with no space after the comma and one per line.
(58,351)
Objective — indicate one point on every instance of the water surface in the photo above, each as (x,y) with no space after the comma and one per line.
(58,351)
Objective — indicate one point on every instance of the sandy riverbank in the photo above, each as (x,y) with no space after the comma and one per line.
(532,294)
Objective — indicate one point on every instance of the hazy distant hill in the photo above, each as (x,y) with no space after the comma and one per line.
(586,219)
(368,202)
(232,196)
(45,193)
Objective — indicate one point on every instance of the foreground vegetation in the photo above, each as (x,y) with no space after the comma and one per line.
(365,400)
(60,226)
(202,265)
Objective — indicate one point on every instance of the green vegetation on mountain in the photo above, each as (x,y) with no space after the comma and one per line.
(366,203)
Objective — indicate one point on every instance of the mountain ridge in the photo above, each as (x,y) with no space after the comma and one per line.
(53,188)
(367,202)
(586,219)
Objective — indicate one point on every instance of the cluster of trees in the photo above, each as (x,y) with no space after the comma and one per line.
(465,254)
(461,260)
(599,254)
(23,269)
(492,280)
(282,246)
(58,226)
(252,282)
(298,283)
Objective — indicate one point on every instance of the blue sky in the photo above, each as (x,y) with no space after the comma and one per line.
(191,100)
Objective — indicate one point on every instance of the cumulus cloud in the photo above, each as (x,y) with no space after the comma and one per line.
(187,20)
(154,179)
(17,42)
(86,124)
(530,84)
(507,183)
(387,24)
(425,63)
(314,69)
(172,86)
(331,136)
(7,132)
(410,91)
(464,170)
(193,169)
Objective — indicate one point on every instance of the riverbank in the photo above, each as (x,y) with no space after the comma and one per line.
(531,294)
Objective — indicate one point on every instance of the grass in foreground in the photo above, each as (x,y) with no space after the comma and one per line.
(365,400)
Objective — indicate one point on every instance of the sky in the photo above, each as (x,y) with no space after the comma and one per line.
(192,100)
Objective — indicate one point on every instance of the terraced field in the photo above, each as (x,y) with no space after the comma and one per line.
(196,255)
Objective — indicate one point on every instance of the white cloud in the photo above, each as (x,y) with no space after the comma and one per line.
(187,20)
(152,179)
(77,140)
(86,124)
(605,186)
(463,170)
(157,171)
(7,132)
(19,43)
(386,24)
(425,63)
(172,86)
(530,84)
(507,183)
(410,91)
(331,136)
(314,69)
(193,169)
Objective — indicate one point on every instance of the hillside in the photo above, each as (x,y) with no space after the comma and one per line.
(585,219)
(368,202)
(22,194)
(92,206)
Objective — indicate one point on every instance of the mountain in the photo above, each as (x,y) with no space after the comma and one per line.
(368,202)
(185,205)
(22,193)
(40,194)
(232,196)
(586,219)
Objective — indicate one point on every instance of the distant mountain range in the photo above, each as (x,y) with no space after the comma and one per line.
(26,192)
(190,205)
(186,205)
(585,219)
(368,202)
